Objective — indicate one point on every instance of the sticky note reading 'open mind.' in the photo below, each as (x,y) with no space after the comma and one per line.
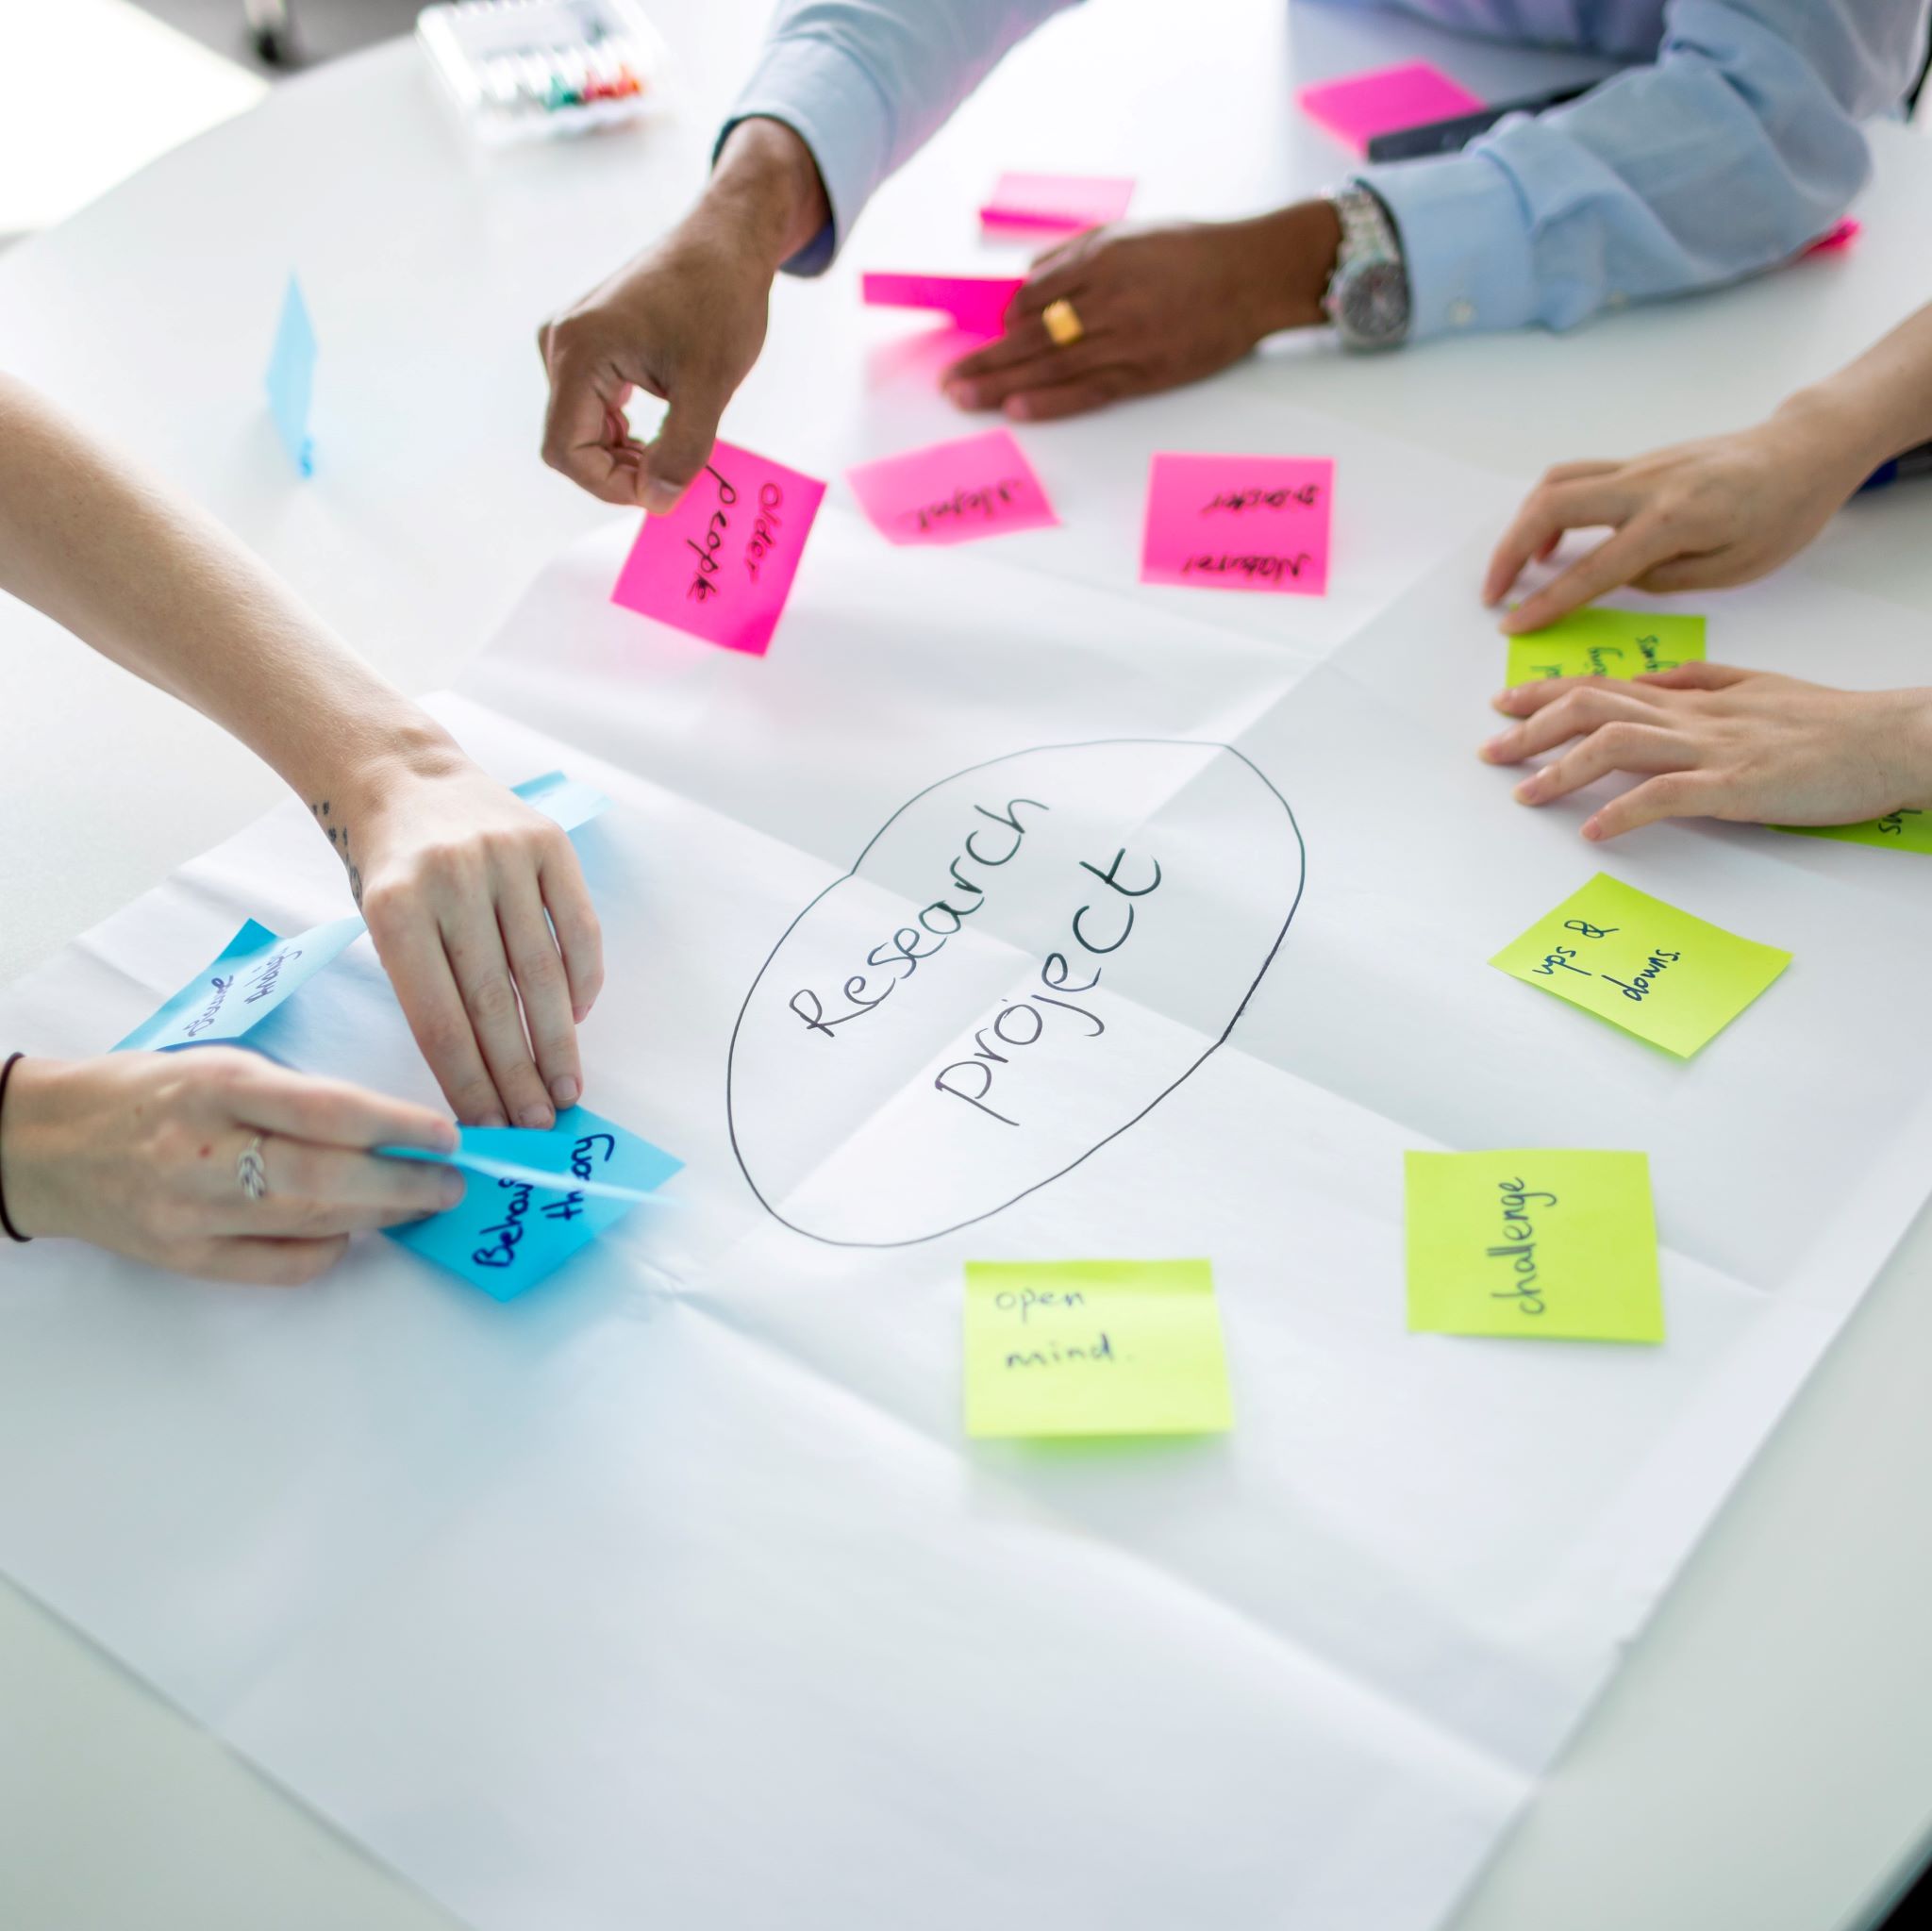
(1605,643)
(720,566)
(1386,101)
(1093,1347)
(953,493)
(1644,965)
(1532,1243)
(1258,522)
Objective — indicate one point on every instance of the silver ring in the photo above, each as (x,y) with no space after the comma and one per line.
(250,1172)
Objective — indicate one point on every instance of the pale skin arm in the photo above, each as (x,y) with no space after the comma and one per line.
(1712,742)
(1730,508)
(461,882)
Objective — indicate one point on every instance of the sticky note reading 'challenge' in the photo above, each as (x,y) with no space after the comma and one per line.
(720,566)
(1057,204)
(513,1225)
(1909,829)
(1533,1242)
(1239,523)
(953,493)
(291,379)
(1644,965)
(1093,1347)
(1605,643)
(233,993)
(976,302)
(1386,101)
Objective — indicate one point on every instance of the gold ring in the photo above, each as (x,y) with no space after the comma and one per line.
(1062,324)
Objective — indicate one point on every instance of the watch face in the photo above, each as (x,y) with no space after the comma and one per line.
(1375,301)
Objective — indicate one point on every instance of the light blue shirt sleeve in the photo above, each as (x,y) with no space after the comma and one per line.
(866,83)
(1730,153)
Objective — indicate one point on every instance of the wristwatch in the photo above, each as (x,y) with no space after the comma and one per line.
(1368,294)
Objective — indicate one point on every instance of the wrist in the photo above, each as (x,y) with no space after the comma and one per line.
(765,192)
(30,1158)
(1293,252)
(1839,432)
(1912,779)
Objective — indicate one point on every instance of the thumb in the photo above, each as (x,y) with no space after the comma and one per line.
(681,448)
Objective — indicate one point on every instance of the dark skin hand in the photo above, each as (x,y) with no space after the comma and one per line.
(1159,306)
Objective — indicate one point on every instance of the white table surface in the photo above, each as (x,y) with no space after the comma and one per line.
(1761,1759)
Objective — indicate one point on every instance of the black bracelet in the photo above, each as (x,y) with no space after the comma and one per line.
(7,1226)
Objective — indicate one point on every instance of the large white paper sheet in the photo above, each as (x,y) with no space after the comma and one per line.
(673,1593)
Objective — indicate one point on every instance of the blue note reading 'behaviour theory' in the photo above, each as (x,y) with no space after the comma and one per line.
(536,1196)
(257,970)
(291,379)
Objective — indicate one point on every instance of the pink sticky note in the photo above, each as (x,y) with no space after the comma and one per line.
(1842,236)
(954,492)
(1365,105)
(977,302)
(1057,203)
(1239,523)
(720,565)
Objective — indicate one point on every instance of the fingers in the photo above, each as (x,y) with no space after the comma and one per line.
(1675,795)
(1584,707)
(474,945)
(413,954)
(1058,275)
(683,445)
(1621,746)
(580,936)
(1558,503)
(319,1193)
(1618,559)
(1072,398)
(266,1263)
(271,1099)
(1706,570)
(542,985)
(1697,677)
(580,437)
(997,372)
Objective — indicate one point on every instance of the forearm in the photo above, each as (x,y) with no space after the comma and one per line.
(1878,405)
(162,588)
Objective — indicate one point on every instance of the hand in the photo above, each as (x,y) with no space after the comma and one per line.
(685,321)
(481,919)
(1159,306)
(1715,742)
(1694,517)
(136,1153)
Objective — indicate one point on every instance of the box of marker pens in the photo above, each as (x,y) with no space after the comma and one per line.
(524,70)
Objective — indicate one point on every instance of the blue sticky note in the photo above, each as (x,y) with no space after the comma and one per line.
(291,379)
(254,972)
(567,801)
(508,1233)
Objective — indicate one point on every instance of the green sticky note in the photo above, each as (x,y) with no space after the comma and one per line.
(1093,1347)
(1605,643)
(1533,1241)
(1908,830)
(1644,965)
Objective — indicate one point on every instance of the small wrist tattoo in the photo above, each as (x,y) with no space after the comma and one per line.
(337,834)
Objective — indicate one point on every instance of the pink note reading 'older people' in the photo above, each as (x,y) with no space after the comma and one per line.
(1057,204)
(1239,523)
(976,302)
(954,492)
(1365,105)
(720,565)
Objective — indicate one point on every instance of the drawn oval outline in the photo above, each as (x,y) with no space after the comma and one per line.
(853,872)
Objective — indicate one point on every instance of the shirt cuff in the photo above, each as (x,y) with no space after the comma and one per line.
(1465,242)
(834,106)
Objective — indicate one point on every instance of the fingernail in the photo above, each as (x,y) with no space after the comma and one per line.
(534,1115)
(660,498)
(444,1138)
(580,1013)
(564,1090)
(492,1118)
(1526,790)
(1495,748)
(1019,408)
(1501,700)
(1591,830)
(962,395)
(451,1190)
